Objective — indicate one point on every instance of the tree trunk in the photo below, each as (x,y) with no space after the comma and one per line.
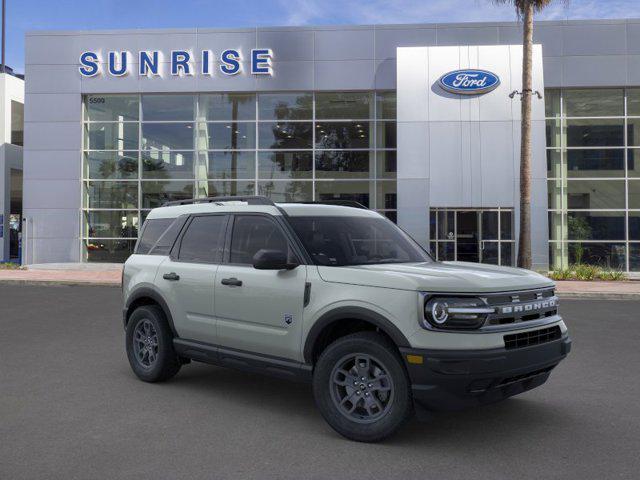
(524,248)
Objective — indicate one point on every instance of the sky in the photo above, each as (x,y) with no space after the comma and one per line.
(26,15)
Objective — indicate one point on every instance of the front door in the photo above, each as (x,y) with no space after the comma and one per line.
(467,236)
(259,310)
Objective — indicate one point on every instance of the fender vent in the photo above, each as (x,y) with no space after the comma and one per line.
(535,337)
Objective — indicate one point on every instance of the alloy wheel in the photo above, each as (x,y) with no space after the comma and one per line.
(361,388)
(145,343)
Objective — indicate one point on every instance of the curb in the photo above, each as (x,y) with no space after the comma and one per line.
(57,283)
(598,296)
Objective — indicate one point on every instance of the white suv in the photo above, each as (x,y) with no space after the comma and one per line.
(339,296)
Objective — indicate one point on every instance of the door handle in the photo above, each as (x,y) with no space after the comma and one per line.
(231,282)
(173,276)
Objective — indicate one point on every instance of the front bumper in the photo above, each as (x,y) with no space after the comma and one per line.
(455,379)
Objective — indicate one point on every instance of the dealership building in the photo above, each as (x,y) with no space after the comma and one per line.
(120,122)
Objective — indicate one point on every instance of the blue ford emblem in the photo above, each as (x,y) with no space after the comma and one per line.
(469,82)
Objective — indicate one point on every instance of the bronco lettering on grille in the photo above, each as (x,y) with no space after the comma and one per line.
(528,307)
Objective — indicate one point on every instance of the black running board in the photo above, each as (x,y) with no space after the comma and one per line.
(241,360)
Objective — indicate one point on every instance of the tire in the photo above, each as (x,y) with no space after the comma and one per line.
(384,402)
(149,345)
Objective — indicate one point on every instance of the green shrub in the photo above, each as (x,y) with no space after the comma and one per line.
(612,275)
(561,274)
(9,266)
(587,272)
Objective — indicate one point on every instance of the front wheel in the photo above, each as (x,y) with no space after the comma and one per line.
(361,387)
(150,345)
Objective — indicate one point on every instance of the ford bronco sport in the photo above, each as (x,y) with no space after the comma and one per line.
(341,297)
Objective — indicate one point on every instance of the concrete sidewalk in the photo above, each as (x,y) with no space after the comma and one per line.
(628,290)
(110,275)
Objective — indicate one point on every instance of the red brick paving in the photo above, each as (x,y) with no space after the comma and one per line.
(105,277)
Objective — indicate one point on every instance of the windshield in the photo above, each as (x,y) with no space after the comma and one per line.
(340,241)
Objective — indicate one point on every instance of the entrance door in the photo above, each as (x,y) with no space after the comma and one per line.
(473,235)
(467,236)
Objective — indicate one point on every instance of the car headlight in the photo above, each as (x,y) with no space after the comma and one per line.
(455,313)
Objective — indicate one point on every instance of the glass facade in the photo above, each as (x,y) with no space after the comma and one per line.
(594,177)
(141,151)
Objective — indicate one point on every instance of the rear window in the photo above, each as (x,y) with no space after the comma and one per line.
(151,232)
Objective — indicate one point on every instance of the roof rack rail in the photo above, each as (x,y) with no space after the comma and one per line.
(250,199)
(341,203)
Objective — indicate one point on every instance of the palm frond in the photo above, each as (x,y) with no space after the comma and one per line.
(538,5)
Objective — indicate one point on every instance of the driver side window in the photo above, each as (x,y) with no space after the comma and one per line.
(252,233)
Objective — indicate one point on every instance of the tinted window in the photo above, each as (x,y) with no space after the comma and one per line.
(227,106)
(168,238)
(168,107)
(253,233)
(339,241)
(285,106)
(595,133)
(17,123)
(598,102)
(112,108)
(204,239)
(151,233)
(344,105)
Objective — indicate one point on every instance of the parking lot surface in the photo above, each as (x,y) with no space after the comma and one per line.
(71,408)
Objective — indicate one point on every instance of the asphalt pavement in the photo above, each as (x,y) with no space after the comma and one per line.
(70,408)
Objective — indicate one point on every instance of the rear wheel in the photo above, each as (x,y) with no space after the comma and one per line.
(361,387)
(150,345)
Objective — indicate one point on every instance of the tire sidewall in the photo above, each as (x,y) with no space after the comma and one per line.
(378,347)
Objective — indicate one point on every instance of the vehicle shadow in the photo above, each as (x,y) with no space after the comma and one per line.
(289,399)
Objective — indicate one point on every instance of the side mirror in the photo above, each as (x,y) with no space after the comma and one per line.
(272,260)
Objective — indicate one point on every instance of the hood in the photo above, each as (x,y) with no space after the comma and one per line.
(454,277)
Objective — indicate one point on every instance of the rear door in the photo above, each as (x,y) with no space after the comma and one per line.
(187,277)
(259,310)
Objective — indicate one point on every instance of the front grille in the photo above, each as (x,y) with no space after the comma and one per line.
(519,307)
(526,296)
(534,337)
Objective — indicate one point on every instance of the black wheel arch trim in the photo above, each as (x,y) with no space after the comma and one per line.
(147,292)
(352,313)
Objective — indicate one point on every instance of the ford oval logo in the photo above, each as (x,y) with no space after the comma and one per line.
(469,82)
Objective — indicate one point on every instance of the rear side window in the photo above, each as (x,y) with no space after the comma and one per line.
(253,233)
(168,238)
(203,241)
(151,232)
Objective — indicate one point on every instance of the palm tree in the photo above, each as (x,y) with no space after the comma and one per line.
(525,10)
